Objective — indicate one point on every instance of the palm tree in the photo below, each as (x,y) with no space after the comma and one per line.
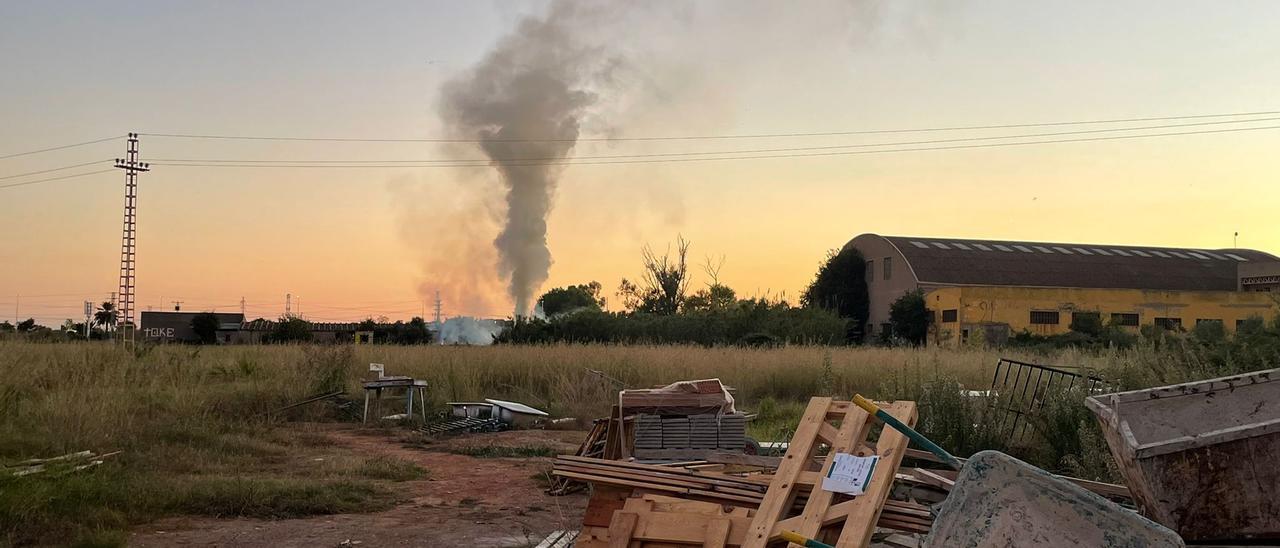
(106,316)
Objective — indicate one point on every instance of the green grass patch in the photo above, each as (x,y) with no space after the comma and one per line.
(391,469)
(500,452)
(277,498)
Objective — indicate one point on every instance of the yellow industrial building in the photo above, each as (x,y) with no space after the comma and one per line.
(1002,288)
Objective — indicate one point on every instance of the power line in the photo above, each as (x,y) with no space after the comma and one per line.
(756,157)
(700,137)
(37,181)
(486,161)
(54,169)
(50,149)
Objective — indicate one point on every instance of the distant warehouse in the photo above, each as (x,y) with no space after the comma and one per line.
(176,327)
(1003,287)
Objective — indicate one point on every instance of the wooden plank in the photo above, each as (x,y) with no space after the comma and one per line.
(605,500)
(725,457)
(621,528)
(717,533)
(779,497)
(934,479)
(718,479)
(862,518)
(718,496)
(754,493)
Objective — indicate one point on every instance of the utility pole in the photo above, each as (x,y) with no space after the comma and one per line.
(17,302)
(1235,240)
(439,324)
(177,306)
(128,240)
(88,313)
(242,305)
(288,305)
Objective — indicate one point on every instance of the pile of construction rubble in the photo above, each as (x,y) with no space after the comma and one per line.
(667,468)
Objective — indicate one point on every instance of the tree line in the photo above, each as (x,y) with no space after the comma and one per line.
(660,307)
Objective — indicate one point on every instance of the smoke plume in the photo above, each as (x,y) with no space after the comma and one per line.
(524,102)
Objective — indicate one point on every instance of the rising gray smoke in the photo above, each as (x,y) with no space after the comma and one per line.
(530,87)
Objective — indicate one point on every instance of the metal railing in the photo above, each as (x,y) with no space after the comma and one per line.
(1020,389)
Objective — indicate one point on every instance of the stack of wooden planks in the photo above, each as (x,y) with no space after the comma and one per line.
(681,398)
(718,488)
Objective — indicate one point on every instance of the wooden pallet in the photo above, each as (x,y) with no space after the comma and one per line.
(559,539)
(592,446)
(829,427)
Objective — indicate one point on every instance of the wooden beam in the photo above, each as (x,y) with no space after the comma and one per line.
(934,479)
(621,528)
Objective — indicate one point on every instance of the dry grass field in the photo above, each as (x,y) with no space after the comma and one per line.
(196,436)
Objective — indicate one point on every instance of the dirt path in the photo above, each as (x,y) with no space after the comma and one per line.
(482,502)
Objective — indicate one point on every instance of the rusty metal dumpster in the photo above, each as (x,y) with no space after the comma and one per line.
(1201,458)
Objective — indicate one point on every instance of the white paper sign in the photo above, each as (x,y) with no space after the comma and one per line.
(849,474)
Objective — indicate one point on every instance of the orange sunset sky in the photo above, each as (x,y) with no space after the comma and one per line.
(350,243)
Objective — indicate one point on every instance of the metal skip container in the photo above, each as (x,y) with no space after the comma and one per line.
(1201,458)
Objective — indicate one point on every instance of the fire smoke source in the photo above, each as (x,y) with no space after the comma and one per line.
(524,102)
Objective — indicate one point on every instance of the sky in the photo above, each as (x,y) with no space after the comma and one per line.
(349,243)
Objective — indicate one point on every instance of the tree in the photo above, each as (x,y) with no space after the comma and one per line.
(714,297)
(664,282)
(1087,323)
(6,327)
(290,329)
(574,298)
(909,318)
(27,325)
(205,325)
(841,287)
(106,316)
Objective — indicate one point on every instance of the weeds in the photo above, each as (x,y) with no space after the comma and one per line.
(386,468)
(500,452)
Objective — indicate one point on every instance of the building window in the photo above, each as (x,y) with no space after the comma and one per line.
(886,328)
(1080,318)
(1125,320)
(888,267)
(871,271)
(1201,321)
(1172,324)
(1044,317)
(949,316)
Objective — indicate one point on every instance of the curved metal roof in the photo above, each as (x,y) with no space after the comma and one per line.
(994,262)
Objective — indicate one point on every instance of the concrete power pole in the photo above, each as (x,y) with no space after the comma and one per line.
(288,305)
(128,240)
(242,306)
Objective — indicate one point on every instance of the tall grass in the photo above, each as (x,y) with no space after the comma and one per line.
(196,436)
(190,427)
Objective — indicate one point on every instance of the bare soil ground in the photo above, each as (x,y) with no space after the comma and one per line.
(465,501)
